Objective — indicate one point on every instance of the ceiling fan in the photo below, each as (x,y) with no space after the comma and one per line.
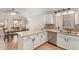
(13,11)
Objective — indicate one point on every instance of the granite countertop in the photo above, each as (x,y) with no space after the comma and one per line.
(32,32)
(26,33)
(71,34)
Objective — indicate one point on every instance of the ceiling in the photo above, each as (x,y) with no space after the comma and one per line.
(28,12)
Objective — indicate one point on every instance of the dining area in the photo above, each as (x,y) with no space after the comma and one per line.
(10,25)
(8,39)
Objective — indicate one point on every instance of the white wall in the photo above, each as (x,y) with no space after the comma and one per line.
(36,23)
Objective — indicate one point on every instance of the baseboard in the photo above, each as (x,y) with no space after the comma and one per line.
(39,46)
(49,43)
(57,46)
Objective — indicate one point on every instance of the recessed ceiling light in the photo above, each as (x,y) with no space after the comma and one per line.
(58,14)
(12,13)
(64,13)
(70,12)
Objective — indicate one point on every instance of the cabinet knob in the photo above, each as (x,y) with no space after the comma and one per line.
(67,40)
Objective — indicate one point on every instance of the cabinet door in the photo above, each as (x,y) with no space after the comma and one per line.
(36,40)
(44,37)
(76,18)
(59,21)
(73,42)
(28,43)
(48,19)
(61,40)
(69,20)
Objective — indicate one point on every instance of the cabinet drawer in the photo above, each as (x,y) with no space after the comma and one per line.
(27,37)
(61,35)
(73,38)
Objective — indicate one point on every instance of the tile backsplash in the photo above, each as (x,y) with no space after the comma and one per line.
(50,26)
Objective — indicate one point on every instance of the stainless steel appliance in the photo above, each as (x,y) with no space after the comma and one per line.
(52,37)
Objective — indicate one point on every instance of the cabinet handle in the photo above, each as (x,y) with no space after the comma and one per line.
(65,39)
(41,36)
(33,39)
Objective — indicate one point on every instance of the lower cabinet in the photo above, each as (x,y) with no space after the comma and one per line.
(40,38)
(36,40)
(73,42)
(33,41)
(28,43)
(61,40)
(43,37)
(68,41)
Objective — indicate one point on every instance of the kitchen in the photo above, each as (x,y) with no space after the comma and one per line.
(39,29)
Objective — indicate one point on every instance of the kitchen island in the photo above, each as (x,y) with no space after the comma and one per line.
(29,40)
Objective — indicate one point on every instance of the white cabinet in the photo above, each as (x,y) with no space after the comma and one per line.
(76,17)
(43,37)
(61,40)
(33,41)
(73,42)
(69,20)
(36,40)
(40,38)
(48,19)
(25,43)
(59,21)
(28,43)
(68,41)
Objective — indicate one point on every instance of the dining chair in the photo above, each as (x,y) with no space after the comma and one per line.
(6,36)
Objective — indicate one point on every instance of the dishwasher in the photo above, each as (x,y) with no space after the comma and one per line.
(52,37)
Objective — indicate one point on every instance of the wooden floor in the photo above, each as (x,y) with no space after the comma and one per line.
(48,46)
(8,46)
(14,45)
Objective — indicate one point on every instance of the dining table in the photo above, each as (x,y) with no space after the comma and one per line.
(11,33)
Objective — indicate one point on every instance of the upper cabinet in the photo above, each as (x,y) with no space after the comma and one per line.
(77,18)
(49,19)
(69,20)
(59,21)
(66,20)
